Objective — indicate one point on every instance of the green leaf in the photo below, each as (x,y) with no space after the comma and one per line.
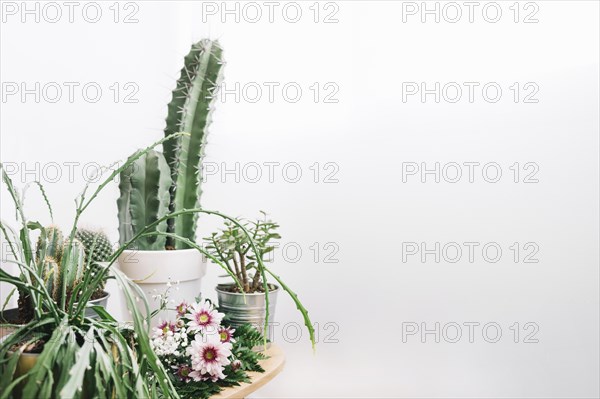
(75,382)
(9,371)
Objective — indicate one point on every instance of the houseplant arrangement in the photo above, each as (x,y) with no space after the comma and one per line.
(160,202)
(62,351)
(232,247)
(161,183)
(203,353)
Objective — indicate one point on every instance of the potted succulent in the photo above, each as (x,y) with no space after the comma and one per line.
(254,300)
(158,184)
(60,351)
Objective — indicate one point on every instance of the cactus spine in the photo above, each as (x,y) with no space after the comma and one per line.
(144,198)
(190,111)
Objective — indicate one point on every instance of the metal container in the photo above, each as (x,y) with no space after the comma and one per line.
(251,311)
(91,313)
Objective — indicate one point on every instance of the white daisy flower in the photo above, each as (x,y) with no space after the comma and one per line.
(203,317)
(209,356)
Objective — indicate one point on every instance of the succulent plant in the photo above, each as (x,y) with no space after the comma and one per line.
(232,247)
(190,111)
(144,199)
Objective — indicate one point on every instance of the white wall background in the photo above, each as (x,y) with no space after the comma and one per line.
(369,212)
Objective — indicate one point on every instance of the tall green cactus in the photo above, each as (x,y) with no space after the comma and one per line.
(176,177)
(144,199)
(190,111)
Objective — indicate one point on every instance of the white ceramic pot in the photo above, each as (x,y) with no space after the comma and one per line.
(152,270)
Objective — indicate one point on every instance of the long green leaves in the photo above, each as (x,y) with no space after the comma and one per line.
(141,326)
(41,377)
(44,196)
(114,373)
(83,356)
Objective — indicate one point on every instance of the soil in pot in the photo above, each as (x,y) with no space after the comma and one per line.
(233,288)
(15,316)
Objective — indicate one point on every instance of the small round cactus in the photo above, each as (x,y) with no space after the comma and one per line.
(98,247)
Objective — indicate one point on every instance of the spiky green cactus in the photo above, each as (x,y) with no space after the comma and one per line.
(144,199)
(62,263)
(144,184)
(72,266)
(50,244)
(52,276)
(97,245)
(98,248)
(190,111)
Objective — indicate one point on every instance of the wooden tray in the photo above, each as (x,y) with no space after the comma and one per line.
(273,366)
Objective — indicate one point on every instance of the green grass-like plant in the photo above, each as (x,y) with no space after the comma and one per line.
(80,356)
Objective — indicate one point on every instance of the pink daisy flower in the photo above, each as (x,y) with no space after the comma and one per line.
(226,334)
(236,364)
(198,376)
(164,327)
(183,372)
(204,317)
(182,308)
(209,356)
